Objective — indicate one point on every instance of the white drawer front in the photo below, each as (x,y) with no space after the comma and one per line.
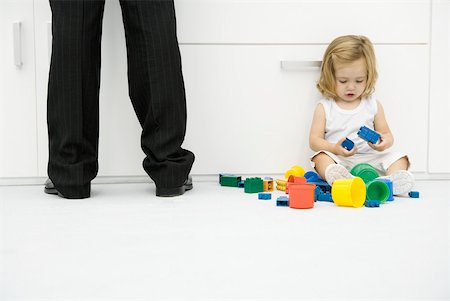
(247,115)
(301,21)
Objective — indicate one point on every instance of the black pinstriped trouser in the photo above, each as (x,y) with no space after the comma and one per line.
(156,90)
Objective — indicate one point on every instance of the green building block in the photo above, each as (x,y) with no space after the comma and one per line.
(253,185)
(229,180)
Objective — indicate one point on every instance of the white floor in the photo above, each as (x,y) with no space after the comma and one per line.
(219,243)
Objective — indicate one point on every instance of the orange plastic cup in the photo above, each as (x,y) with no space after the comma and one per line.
(301,196)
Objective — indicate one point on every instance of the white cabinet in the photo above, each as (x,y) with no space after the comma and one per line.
(43,35)
(18,142)
(439,139)
(301,21)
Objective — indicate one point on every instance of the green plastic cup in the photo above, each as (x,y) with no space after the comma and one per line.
(365,171)
(377,190)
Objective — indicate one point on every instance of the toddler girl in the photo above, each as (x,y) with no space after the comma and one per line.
(347,81)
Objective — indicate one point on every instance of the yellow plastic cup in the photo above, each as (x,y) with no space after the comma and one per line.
(294,171)
(349,192)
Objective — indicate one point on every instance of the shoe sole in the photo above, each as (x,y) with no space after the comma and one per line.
(171,192)
(50,190)
(337,172)
(402,182)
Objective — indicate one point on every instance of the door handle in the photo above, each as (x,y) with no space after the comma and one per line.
(17,43)
(300,65)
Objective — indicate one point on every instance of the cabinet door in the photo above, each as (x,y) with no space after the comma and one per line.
(18,150)
(301,21)
(43,33)
(439,159)
(247,115)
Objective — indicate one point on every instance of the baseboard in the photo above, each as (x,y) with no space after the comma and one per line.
(19,181)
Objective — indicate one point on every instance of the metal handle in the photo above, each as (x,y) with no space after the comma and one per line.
(17,34)
(299,65)
(49,40)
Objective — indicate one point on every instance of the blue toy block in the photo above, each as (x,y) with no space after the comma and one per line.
(325,197)
(322,196)
(348,144)
(372,203)
(241,184)
(322,184)
(311,176)
(283,201)
(264,196)
(368,134)
(414,194)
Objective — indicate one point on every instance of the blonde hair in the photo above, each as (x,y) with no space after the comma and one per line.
(347,49)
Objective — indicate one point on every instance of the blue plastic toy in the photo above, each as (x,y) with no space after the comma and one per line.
(372,203)
(368,134)
(348,144)
(283,201)
(414,194)
(311,176)
(264,196)
(322,196)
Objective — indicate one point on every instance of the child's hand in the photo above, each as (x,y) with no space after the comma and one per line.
(381,144)
(341,151)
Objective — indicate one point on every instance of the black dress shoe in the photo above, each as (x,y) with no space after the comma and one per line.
(50,188)
(175,191)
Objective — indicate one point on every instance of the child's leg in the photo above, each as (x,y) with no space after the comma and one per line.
(322,161)
(328,169)
(400,164)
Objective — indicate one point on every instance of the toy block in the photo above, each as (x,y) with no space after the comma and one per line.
(311,176)
(241,184)
(253,185)
(283,201)
(229,180)
(281,187)
(348,144)
(324,186)
(414,194)
(368,134)
(324,197)
(281,184)
(372,203)
(268,184)
(264,196)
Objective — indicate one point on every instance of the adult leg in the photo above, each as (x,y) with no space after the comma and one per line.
(156,89)
(73,91)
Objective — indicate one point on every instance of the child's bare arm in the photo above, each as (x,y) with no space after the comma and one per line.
(317,140)
(382,127)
